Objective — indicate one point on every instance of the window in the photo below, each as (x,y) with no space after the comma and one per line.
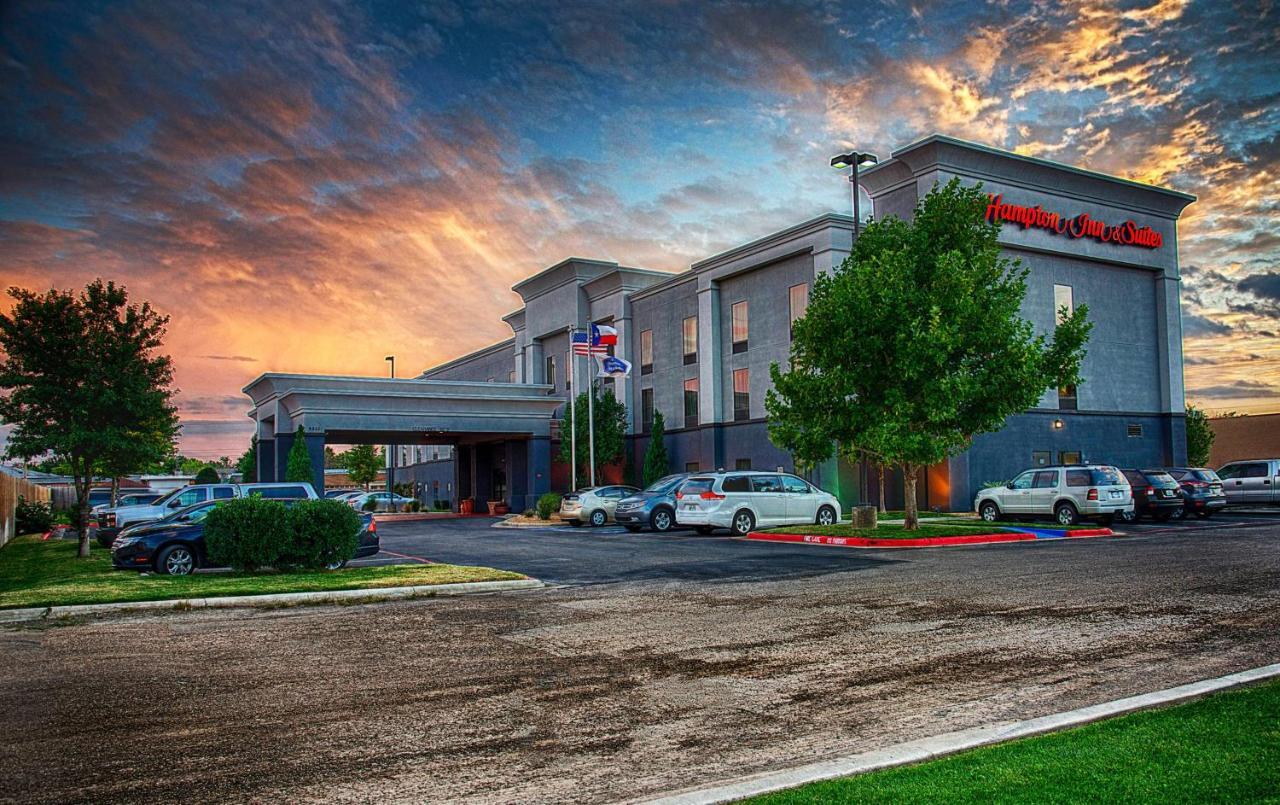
(1134,430)
(736,483)
(794,485)
(1078,478)
(646,410)
(691,466)
(646,352)
(691,402)
(189,497)
(1041,458)
(766,483)
(741,395)
(742,464)
(1067,398)
(1045,479)
(798,296)
(690,330)
(1255,471)
(283,492)
(568,370)
(551,372)
(223,493)
(489,379)
(1023,481)
(1069,457)
(740,327)
(1062,298)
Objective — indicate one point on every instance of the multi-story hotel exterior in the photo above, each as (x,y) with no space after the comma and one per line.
(701,341)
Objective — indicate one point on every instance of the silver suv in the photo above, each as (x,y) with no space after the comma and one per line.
(741,501)
(1064,493)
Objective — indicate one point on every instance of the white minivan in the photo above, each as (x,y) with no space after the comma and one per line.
(743,501)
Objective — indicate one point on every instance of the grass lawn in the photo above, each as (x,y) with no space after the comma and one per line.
(36,573)
(883,531)
(898,514)
(1224,748)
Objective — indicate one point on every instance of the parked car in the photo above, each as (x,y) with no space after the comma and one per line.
(1155,494)
(385,501)
(1251,483)
(743,501)
(120,516)
(595,505)
(134,498)
(98,496)
(1202,493)
(654,506)
(175,546)
(1065,493)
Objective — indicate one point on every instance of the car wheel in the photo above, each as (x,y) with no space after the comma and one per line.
(1128,517)
(744,522)
(661,520)
(703,529)
(336,564)
(633,528)
(989,511)
(826,516)
(176,560)
(1180,514)
(598,518)
(1066,514)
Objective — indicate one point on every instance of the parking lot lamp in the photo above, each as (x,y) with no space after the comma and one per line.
(391,448)
(853,161)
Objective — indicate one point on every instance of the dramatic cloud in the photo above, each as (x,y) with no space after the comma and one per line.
(311,186)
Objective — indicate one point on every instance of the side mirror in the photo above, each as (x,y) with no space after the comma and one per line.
(1009,485)
(173,504)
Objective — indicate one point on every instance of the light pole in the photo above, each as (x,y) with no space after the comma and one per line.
(391,448)
(854,160)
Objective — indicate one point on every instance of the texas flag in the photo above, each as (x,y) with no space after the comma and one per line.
(603,335)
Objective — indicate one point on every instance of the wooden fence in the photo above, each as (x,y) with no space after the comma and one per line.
(10,489)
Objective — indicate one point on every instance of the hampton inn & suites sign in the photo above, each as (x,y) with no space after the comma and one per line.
(1081,226)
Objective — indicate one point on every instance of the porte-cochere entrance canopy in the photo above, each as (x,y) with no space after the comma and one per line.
(369,410)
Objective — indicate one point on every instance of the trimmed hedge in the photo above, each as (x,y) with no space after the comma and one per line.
(247,534)
(320,532)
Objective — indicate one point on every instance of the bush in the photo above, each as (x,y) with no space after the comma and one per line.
(547,505)
(320,532)
(247,533)
(440,505)
(370,505)
(35,517)
(415,506)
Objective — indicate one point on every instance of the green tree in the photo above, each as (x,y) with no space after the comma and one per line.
(247,465)
(83,381)
(916,344)
(656,461)
(610,431)
(363,463)
(1199,437)
(298,467)
(207,475)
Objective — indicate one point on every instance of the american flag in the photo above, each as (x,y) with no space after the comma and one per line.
(582,345)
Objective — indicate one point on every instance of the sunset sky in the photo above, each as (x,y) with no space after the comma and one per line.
(309,187)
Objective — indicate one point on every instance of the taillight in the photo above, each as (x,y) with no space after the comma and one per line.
(373,526)
(1151,490)
(679,496)
(1093,494)
(1196,484)
(709,495)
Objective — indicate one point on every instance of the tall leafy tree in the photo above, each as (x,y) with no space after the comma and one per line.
(298,466)
(85,382)
(207,475)
(247,465)
(916,343)
(1199,437)
(610,431)
(656,461)
(363,463)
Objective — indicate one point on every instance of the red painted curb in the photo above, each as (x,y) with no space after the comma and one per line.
(1090,532)
(868,542)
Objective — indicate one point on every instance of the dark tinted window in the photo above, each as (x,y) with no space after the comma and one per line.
(736,483)
(1159,478)
(1077,477)
(1255,471)
(281,492)
(1045,479)
(223,492)
(1134,477)
(1231,471)
(766,483)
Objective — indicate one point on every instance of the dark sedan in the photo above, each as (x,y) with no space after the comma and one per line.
(175,546)
(1202,492)
(1155,494)
(654,506)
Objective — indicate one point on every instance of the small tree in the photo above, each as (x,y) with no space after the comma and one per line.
(247,466)
(298,467)
(207,475)
(83,381)
(611,429)
(916,344)
(363,463)
(1199,437)
(656,462)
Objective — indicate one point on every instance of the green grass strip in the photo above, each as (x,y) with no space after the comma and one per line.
(1224,748)
(36,573)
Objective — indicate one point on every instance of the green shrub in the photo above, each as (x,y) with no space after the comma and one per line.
(415,506)
(440,505)
(370,505)
(547,505)
(247,533)
(320,532)
(207,475)
(35,517)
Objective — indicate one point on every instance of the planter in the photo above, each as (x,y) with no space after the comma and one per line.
(499,507)
(466,506)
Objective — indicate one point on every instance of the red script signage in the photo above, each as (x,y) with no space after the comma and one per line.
(1082,226)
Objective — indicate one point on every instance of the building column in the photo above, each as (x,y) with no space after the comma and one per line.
(710,379)
(535,368)
(624,350)
(266,456)
(283,444)
(537,470)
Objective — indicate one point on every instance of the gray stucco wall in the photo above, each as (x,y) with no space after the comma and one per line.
(664,313)
(495,363)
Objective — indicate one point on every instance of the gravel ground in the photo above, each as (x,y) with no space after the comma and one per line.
(610,692)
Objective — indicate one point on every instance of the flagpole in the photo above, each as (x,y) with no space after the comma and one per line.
(573,411)
(591,418)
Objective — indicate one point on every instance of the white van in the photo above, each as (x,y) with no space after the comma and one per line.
(741,501)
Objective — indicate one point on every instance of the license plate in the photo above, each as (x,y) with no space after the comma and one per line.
(1216,489)
(1115,494)
(689,507)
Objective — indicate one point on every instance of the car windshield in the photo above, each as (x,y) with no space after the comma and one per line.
(1162,478)
(1206,475)
(1105,476)
(664,485)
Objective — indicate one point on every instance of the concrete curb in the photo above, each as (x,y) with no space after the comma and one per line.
(369,594)
(952,742)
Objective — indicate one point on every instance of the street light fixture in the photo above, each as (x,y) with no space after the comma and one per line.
(853,161)
(391,448)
